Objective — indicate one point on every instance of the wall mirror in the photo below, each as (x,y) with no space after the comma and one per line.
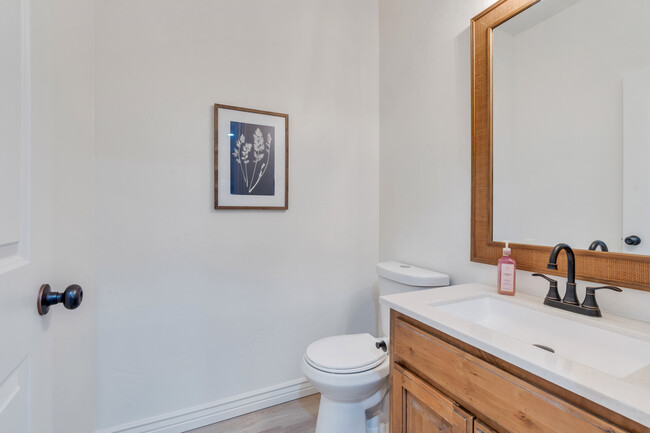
(561,135)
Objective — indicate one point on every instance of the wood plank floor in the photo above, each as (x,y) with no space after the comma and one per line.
(297,416)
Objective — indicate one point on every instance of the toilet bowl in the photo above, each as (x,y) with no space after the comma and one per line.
(351,371)
(352,379)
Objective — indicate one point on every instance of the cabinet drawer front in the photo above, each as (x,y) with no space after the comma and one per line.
(512,404)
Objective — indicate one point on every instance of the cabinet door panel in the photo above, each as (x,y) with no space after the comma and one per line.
(417,407)
(421,418)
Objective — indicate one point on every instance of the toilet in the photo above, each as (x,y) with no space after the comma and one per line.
(351,371)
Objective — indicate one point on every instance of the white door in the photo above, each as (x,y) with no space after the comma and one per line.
(46,362)
(636,161)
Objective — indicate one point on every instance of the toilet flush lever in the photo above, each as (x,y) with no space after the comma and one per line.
(381,344)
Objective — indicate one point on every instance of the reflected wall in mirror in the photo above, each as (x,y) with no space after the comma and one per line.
(571,124)
(561,135)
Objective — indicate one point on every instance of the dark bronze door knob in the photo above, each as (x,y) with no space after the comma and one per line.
(71,298)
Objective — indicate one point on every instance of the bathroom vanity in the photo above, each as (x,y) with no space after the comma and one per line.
(454,373)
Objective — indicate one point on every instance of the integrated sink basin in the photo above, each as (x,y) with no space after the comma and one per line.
(605,360)
(607,351)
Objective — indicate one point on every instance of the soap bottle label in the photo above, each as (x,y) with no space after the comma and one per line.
(507,277)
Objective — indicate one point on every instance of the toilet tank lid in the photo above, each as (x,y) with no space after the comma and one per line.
(411,275)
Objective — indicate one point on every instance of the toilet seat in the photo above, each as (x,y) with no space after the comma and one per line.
(345,354)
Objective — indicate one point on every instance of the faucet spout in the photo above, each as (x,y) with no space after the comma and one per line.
(570,296)
(571,261)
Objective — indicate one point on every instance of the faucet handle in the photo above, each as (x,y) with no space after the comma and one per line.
(590,298)
(552,294)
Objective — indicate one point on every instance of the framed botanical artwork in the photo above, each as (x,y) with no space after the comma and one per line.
(251,159)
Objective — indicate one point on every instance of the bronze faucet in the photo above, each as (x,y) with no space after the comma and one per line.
(570,301)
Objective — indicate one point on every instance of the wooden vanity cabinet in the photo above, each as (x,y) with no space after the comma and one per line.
(439,384)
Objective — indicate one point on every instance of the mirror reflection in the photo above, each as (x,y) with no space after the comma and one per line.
(571,125)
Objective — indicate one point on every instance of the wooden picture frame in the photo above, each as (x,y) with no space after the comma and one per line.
(627,270)
(251,159)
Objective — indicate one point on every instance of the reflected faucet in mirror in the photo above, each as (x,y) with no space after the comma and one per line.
(589,306)
(598,243)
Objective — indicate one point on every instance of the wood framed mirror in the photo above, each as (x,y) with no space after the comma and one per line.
(616,268)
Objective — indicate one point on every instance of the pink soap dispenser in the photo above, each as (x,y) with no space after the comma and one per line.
(506,273)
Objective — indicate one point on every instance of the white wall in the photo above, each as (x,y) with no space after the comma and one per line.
(425,134)
(425,146)
(197,305)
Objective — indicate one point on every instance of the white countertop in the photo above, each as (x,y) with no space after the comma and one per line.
(629,396)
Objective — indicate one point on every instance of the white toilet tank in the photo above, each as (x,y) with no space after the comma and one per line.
(396,277)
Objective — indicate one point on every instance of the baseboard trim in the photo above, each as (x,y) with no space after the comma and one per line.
(199,416)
